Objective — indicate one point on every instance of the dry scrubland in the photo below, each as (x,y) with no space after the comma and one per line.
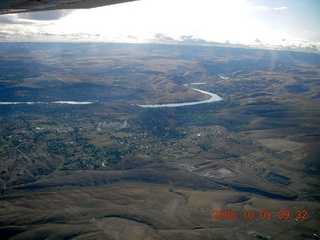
(113,170)
(138,211)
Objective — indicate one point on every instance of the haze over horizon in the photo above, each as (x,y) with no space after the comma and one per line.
(271,24)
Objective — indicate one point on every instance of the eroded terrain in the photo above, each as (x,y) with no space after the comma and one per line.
(112,169)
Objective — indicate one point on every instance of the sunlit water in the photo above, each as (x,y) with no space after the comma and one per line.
(213,98)
(56,102)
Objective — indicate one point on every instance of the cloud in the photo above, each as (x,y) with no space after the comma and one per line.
(264,8)
(163,38)
(280,8)
(46,15)
(184,39)
(6,20)
(193,40)
(32,18)
(14,21)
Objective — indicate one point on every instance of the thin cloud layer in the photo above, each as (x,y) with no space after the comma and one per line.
(264,8)
(46,15)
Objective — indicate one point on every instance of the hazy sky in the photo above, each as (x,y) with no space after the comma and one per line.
(242,21)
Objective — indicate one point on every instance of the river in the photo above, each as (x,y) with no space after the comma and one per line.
(213,98)
(56,102)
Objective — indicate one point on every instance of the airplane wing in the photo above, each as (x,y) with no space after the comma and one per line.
(18,6)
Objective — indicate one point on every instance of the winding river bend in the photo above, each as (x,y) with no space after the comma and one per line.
(213,98)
